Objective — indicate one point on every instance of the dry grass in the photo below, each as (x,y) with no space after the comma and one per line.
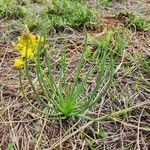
(131,88)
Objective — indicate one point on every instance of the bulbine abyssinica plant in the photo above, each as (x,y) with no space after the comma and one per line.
(63,98)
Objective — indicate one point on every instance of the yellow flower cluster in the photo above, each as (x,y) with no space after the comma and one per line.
(26,45)
(18,62)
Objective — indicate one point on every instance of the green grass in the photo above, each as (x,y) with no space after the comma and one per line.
(10,146)
(69,13)
(41,14)
(11,11)
(133,20)
(105,2)
(102,133)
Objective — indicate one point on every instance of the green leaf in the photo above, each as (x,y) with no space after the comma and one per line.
(87,53)
(102,133)
(10,146)
(90,144)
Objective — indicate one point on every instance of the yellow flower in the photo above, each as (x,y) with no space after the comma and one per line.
(27,38)
(27,43)
(33,40)
(20,40)
(46,46)
(19,46)
(26,35)
(18,62)
(27,52)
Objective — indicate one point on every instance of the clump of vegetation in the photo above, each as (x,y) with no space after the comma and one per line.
(11,11)
(131,19)
(50,14)
(114,40)
(65,98)
(69,13)
(105,2)
(101,133)
(33,23)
